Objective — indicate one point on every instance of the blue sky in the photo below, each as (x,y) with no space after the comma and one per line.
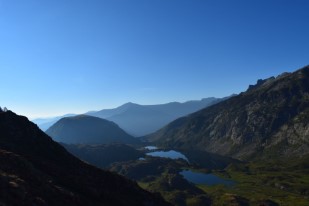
(72,56)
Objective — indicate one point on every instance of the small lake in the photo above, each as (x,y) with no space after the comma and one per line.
(168,154)
(205,179)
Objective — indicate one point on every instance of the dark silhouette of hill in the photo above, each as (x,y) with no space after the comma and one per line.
(139,120)
(35,170)
(83,129)
(270,119)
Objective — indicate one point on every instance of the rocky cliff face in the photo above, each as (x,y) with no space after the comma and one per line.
(270,119)
(35,170)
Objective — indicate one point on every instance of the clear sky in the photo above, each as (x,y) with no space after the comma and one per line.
(72,56)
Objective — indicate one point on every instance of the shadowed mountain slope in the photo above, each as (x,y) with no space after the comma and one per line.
(104,155)
(270,119)
(83,129)
(35,170)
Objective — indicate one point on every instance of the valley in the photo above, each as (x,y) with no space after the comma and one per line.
(227,182)
(229,153)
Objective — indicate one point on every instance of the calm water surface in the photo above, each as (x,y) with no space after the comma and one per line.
(205,179)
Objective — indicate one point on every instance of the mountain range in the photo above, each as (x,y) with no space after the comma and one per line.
(84,129)
(269,120)
(35,170)
(140,120)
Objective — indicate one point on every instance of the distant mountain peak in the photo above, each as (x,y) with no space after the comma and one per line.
(129,104)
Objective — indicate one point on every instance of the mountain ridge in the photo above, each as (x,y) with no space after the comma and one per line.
(251,124)
(139,120)
(131,118)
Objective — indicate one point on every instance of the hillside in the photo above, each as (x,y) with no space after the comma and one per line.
(83,129)
(35,170)
(104,155)
(270,119)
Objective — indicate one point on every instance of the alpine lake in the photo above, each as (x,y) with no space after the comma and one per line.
(207,179)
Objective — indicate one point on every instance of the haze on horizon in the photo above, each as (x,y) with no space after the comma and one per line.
(65,56)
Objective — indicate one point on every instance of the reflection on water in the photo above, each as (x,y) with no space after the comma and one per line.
(168,154)
(151,147)
(205,179)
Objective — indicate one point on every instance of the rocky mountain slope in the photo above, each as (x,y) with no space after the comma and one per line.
(270,119)
(35,170)
(83,129)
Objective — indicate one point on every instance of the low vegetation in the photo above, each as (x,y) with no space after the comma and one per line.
(271,183)
(264,183)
